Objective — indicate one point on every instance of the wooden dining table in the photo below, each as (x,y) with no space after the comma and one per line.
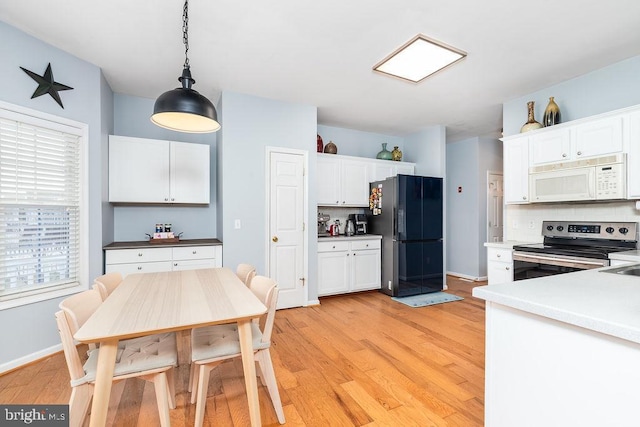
(151,303)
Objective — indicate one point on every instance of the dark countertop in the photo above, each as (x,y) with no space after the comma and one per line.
(146,244)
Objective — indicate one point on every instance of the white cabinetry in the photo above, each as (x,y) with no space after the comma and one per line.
(156,171)
(383,169)
(499,265)
(550,147)
(516,170)
(633,156)
(348,266)
(342,181)
(152,260)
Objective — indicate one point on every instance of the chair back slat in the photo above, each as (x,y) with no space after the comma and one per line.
(107,283)
(79,307)
(266,289)
(246,273)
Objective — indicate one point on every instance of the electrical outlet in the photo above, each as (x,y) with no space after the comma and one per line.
(389,285)
(532,224)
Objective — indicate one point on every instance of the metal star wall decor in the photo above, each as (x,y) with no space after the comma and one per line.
(46,84)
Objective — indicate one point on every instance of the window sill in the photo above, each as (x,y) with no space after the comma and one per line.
(8,302)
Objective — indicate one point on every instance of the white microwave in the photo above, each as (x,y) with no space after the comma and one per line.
(599,178)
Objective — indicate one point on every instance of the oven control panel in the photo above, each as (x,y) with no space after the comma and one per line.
(591,230)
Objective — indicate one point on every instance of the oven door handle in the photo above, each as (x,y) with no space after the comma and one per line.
(561,262)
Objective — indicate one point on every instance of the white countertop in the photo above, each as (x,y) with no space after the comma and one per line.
(633,256)
(603,302)
(355,237)
(509,244)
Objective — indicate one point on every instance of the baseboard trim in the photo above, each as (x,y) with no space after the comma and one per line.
(20,362)
(467,277)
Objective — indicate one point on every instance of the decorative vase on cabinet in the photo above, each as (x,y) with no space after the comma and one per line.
(551,113)
(396,154)
(384,154)
(531,122)
(331,148)
(320,145)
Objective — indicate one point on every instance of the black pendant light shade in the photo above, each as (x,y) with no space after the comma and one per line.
(183,109)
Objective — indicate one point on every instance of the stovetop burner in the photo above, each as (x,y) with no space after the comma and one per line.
(575,251)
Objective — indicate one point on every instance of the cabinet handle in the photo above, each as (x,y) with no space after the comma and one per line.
(333,247)
(175,264)
(194,252)
(579,153)
(172,199)
(498,255)
(524,197)
(507,268)
(337,201)
(139,253)
(166,199)
(564,154)
(343,202)
(367,245)
(139,268)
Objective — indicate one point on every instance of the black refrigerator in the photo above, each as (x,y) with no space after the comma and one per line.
(406,210)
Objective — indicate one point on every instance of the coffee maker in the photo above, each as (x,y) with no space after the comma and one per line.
(323,219)
(360,220)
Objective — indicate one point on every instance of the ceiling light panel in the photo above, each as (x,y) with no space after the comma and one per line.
(418,59)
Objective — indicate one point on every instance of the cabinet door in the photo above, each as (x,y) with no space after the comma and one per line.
(633,156)
(189,173)
(365,270)
(333,273)
(598,137)
(138,170)
(499,272)
(194,264)
(516,171)
(354,184)
(551,146)
(405,169)
(382,171)
(328,189)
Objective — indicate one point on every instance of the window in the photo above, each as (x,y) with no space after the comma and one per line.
(41,207)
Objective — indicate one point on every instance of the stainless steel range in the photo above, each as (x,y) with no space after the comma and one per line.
(572,246)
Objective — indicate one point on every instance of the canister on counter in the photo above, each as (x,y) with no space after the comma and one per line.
(159,228)
(167,228)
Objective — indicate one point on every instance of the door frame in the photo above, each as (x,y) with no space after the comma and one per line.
(486,197)
(305,184)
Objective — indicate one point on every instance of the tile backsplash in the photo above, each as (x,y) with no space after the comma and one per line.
(524,222)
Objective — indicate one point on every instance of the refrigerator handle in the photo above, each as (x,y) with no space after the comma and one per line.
(395,223)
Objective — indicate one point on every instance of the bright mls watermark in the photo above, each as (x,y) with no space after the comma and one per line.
(38,415)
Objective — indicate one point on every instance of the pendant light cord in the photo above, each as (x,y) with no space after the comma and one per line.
(185,32)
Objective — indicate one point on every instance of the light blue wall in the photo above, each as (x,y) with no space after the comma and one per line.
(610,88)
(358,143)
(249,125)
(426,149)
(31,328)
(131,118)
(468,162)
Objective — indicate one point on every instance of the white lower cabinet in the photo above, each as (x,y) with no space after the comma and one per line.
(499,265)
(153,260)
(348,266)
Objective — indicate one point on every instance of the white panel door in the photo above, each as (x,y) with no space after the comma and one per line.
(286,227)
(189,173)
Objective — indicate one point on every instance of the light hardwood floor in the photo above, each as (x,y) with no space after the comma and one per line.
(354,360)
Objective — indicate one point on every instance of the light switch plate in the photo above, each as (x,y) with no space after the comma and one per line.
(236,224)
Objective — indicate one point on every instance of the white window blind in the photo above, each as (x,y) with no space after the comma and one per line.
(40,204)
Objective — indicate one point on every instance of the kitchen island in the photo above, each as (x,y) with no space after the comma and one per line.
(563,350)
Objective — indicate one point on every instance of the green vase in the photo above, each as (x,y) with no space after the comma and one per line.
(384,154)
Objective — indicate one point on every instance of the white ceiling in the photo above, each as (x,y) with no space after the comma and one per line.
(322,52)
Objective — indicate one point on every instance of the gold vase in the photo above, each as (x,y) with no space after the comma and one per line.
(531,122)
(551,113)
(396,154)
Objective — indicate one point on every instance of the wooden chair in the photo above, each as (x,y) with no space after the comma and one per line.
(246,273)
(151,358)
(214,344)
(107,283)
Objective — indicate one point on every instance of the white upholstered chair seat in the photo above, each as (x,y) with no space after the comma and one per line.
(135,355)
(217,341)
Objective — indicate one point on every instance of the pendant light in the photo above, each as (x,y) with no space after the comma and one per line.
(184,109)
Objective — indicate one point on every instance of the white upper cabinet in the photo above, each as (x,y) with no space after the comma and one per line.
(633,156)
(516,170)
(344,180)
(157,171)
(573,142)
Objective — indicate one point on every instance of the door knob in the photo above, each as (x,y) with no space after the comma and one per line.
(274,239)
